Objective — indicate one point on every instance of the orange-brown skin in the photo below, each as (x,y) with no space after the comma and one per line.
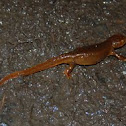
(89,55)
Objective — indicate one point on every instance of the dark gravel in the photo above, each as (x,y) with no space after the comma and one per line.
(33,31)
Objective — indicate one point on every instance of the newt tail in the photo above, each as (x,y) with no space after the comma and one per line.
(63,58)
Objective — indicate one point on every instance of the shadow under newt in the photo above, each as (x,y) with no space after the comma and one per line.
(88,55)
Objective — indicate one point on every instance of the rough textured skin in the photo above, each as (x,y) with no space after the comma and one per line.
(83,56)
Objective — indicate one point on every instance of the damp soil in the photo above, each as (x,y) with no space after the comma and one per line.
(36,30)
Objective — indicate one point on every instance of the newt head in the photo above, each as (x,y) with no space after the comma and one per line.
(118,40)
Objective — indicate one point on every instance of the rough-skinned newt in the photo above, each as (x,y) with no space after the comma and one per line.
(88,55)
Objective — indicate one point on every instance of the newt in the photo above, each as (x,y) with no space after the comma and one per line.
(87,55)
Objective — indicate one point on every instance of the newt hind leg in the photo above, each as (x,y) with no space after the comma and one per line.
(68,70)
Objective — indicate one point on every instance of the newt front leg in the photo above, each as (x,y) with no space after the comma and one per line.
(120,57)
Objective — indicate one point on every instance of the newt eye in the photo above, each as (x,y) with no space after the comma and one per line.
(118,40)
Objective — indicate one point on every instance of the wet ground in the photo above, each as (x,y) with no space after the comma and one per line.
(33,31)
